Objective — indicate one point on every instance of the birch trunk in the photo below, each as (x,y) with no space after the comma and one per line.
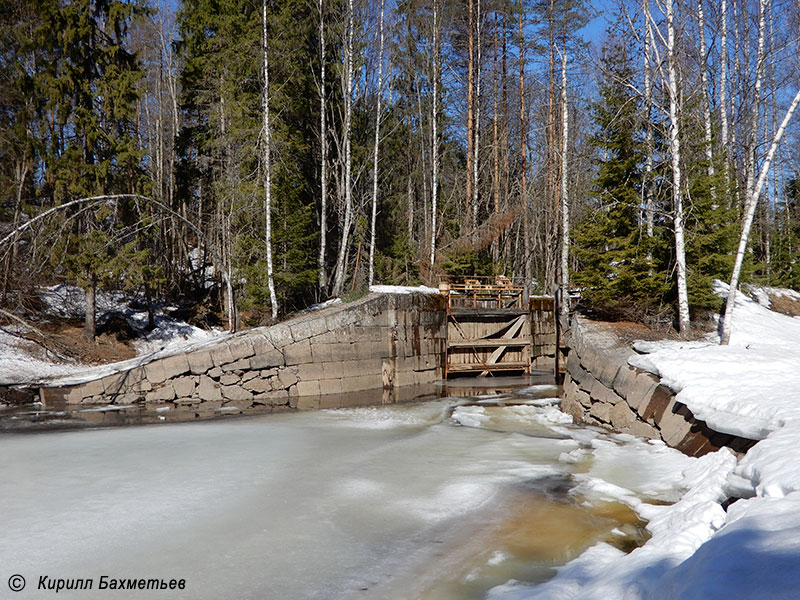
(323,175)
(435,132)
(470,108)
(675,151)
(710,170)
(725,335)
(477,126)
(723,88)
(348,186)
(273,301)
(523,136)
(648,143)
(564,185)
(375,157)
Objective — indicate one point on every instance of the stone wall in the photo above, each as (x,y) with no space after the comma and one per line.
(381,341)
(600,388)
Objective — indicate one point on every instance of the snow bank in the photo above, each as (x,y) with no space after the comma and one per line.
(402,289)
(697,550)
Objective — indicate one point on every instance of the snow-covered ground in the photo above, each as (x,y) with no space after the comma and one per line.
(23,362)
(698,550)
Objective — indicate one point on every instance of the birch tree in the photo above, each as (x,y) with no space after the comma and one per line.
(435,130)
(347,92)
(267,163)
(752,202)
(377,144)
(323,166)
(564,182)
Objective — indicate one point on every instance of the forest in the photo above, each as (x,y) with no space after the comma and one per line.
(247,158)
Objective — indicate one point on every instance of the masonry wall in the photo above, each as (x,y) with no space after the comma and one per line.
(381,341)
(600,388)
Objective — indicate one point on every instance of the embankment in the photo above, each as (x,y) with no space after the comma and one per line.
(600,388)
(382,341)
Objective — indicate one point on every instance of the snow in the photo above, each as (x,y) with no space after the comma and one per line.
(21,363)
(402,289)
(698,550)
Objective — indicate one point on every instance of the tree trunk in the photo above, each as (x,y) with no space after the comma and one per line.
(477,112)
(648,143)
(267,166)
(89,328)
(723,89)
(564,183)
(341,265)
(523,137)
(470,108)
(710,170)
(323,176)
(725,335)
(435,132)
(375,157)
(675,151)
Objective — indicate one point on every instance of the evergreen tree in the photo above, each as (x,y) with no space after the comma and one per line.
(609,243)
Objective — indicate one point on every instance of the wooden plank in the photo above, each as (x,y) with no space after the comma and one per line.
(489,343)
(502,366)
(512,332)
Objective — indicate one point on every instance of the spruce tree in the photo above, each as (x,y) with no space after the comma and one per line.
(610,244)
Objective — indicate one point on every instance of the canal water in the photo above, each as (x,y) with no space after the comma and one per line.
(436,500)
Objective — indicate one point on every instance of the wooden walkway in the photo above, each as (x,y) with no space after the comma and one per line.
(491,328)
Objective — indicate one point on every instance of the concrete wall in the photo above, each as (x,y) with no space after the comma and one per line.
(380,341)
(600,388)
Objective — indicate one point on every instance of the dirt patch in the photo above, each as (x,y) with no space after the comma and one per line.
(66,339)
(786,305)
(624,333)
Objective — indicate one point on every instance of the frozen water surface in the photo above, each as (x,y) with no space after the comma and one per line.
(377,502)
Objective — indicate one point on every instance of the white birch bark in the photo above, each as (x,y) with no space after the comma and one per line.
(564,185)
(375,157)
(723,89)
(648,140)
(348,184)
(273,301)
(476,146)
(711,171)
(323,138)
(435,132)
(675,153)
(752,201)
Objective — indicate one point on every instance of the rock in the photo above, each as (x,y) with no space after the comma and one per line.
(184,386)
(234,392)
(601,411)
(229,379)
(208,389)
(165,392)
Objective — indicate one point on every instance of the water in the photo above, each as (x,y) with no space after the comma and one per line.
(436,500)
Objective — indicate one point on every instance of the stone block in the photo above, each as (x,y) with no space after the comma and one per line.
(160,394)
(241,347)
(605,369)
(674,427)
(184,386)
(154,372)
(642,429)
(601,411)
(622,416)
(287,377)
(336,370)
(221,355)
(274,398)
(280,335)
(243,364)
(308,388)
(265,360)
(117,383)
(266,373)
(661,399)
(175,365)
(258,385)
(601,393)
(318,326)
(301,330)
(235,392)
(262,344)
(572,408)
(229,379)
(208,389)
(635,386)
(127,399)
(216,372)
(572,391)
(249,375)
(331,386)
(93,388)
(310,371)
(199,361)
(298,353)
